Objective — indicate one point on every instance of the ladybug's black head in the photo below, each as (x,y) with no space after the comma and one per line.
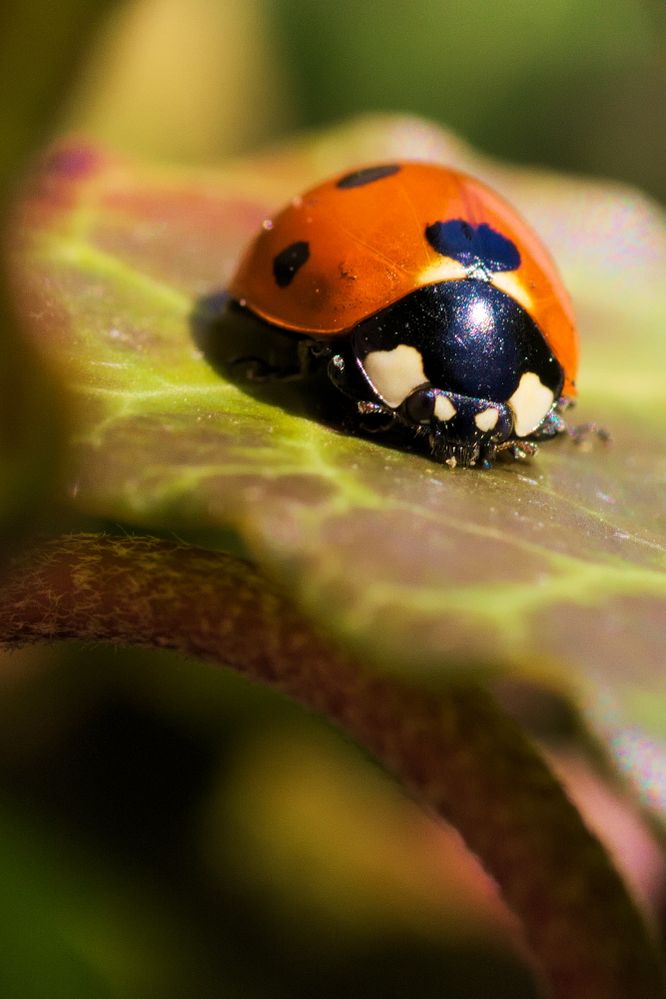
(457,425)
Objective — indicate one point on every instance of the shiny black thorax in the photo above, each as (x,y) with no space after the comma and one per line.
(475,340)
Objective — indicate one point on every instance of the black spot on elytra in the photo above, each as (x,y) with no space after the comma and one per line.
(471,245)
(289,261)
(360,177)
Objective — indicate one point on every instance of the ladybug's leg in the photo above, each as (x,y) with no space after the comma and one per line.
(581,433)
(366,408)
(552,425)
(345,378)
(519,448)
(342,376)
(337,371)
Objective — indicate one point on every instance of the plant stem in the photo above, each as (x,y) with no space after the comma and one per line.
(451,746)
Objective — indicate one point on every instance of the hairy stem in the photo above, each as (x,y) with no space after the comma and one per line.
(454,750)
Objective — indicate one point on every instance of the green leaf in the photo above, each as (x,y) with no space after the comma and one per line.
(553,568)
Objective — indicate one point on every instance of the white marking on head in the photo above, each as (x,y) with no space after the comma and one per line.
(444,408)
(530,403)
(395,373)
(487,419)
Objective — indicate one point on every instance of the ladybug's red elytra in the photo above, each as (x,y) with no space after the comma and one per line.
(430,301)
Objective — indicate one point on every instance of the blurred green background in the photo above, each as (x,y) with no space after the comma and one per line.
(563,83)
(166,829)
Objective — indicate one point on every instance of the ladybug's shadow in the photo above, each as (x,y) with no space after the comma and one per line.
(261,361)
(264,363)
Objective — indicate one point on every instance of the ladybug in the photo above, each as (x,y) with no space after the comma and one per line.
(431,303)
